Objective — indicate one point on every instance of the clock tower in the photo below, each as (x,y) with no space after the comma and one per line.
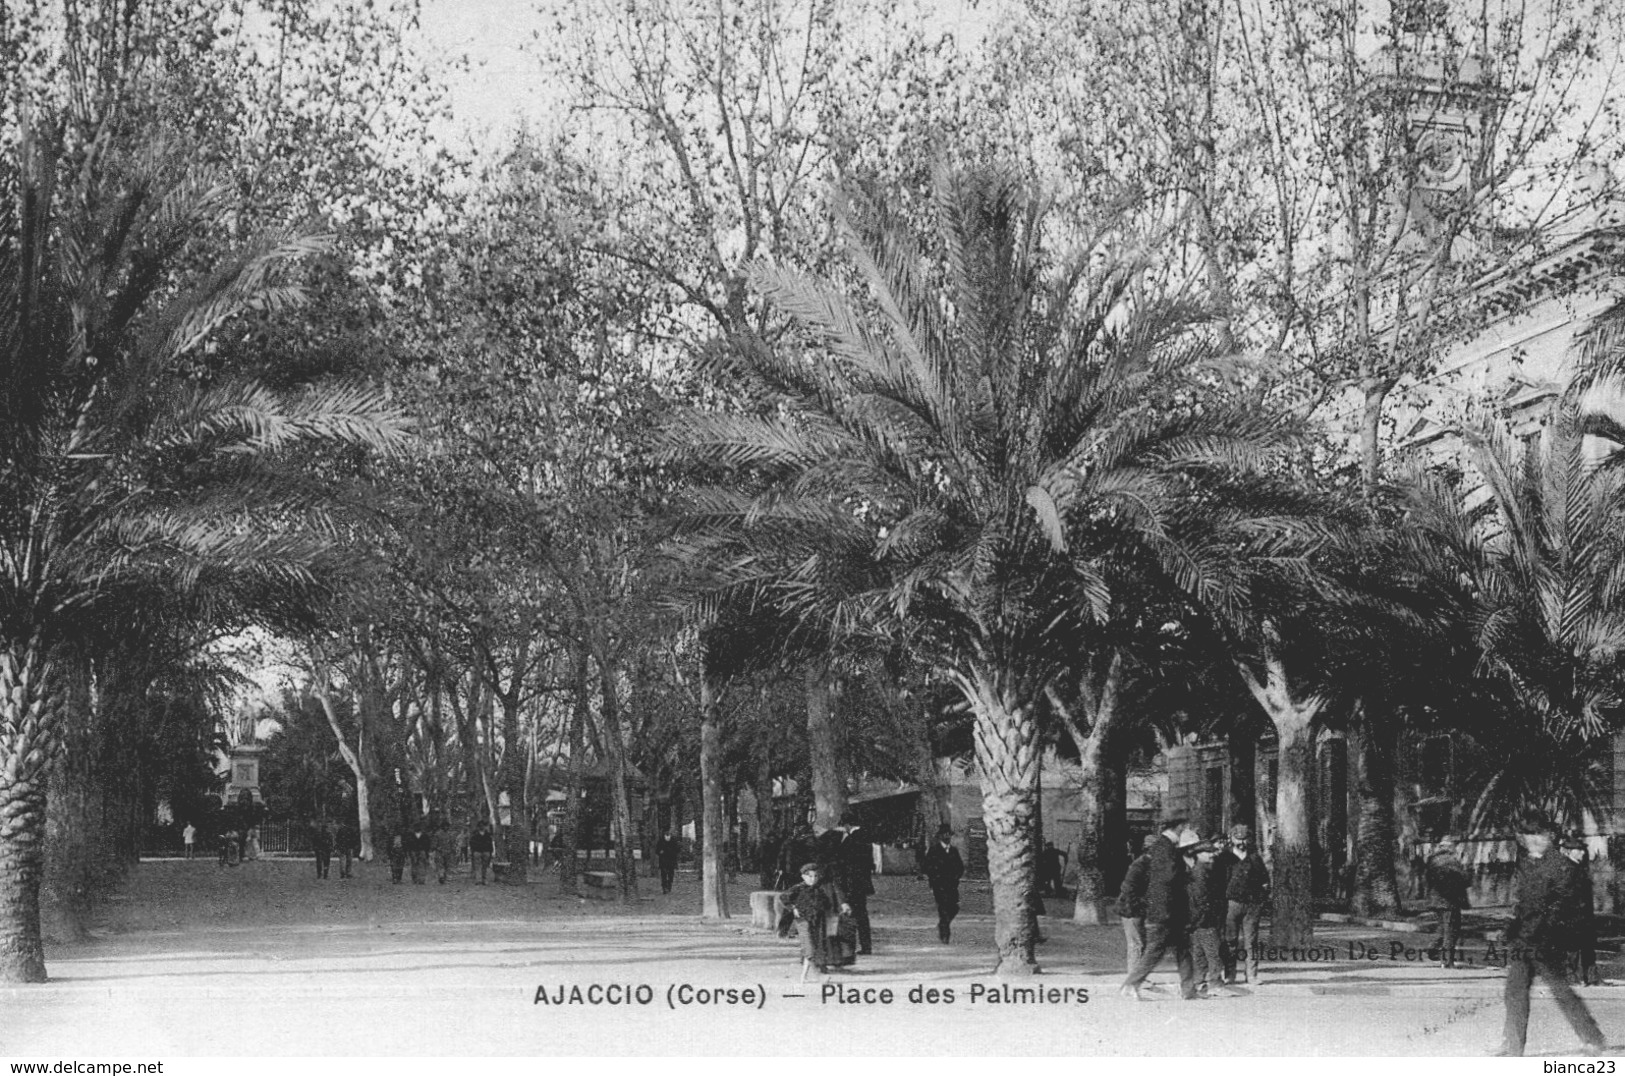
(1436,103)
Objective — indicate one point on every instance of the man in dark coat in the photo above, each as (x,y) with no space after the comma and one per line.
(851,865)
(1131,904)
(321,842)
(1052,870)
(666,849)
(943,868)
(1448,881)
(1167,911)
(1582,913)
(1247,891)
(480,847)
(1540,931)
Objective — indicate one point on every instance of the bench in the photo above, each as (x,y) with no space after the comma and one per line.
(601,885)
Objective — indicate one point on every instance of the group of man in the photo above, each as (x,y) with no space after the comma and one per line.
(1202,899)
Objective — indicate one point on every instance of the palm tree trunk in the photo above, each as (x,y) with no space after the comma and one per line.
(824,748)
(1293,921)
(30,720)
(1007,760)
(713,882)
(1376,886)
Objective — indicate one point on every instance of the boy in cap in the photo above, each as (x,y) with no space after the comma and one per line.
(1131,904)
(1537,938)
(1583,944)
(811,905)
(1207,902)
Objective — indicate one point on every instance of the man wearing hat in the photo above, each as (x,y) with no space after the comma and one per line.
(1167,911)
(943,869)
(1448,880)
(1537,938)
(1583,944)
(850,863)
(1207,901)
(1247,891)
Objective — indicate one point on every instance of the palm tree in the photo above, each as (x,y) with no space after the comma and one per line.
(130,456)
(995,430)
(1539,564)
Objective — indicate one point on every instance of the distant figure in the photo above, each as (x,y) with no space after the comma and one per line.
(666,849)
(189,838)
(1051,869)
(228,848)
(446,850)
(1448,880)
(349,846)
(555,849)
(417,850)
(1537,938)
(397,858)
(944,868)
(480,846)
(251,843)
(321,843)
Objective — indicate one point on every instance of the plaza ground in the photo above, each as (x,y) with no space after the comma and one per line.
(193,959)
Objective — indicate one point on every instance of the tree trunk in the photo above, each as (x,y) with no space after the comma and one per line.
(824,748)
(713,880)
(1095,790)
(569,871)
(1293,870)
(766,834)
(1242,747)
(351,758)
(30,725)
(620,791)
(1376,886)
(78,846)
(1007,760)
(512,779)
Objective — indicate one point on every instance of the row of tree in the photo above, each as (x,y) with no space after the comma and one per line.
(725,468)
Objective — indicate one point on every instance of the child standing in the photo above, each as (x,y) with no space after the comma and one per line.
(813,907)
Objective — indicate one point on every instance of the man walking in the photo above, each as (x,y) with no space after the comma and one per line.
(1537,938)
(1448,880)
(666,850)
(189,838)
(1167,912)
(1131,905)
(943,869)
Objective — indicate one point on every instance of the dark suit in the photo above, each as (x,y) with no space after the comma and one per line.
(666,857)
(1542,926)
(943,869)
(850,862)
(1167,918)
